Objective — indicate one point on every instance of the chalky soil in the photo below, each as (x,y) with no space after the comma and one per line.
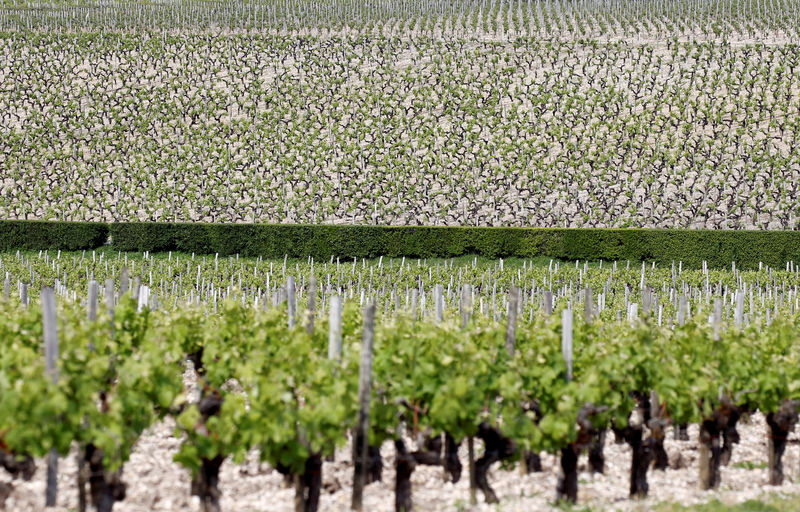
(156,483)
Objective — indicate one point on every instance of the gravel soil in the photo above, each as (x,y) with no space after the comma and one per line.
(156,483)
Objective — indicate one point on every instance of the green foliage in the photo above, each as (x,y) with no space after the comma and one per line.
(37,235)
(109,389)
(27,396)
(749,465)
(782,503)
(719,248)
(295,402)
(281,395)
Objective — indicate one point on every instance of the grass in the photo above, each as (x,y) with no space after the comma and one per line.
(777,503)
(748,464)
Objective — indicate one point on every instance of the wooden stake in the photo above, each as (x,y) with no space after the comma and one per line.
(124,282)
(50,327)
(91,305)
(312,304)
(466,305)
(361,436)
(335,328)
(511,321)
(439,300)
(566,340)
(23,294)
(588,305)
(290,295)
(682,307)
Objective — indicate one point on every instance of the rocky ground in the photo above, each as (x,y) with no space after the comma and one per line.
(156,483)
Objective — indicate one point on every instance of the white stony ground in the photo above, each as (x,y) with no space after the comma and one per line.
(156,483)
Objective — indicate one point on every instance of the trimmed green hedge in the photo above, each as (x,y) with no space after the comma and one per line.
(36,235)
(719,248)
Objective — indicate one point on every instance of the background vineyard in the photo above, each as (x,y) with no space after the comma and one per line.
(566,114)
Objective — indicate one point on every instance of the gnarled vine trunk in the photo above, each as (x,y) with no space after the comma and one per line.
(597,461)
(779,425)
(531,462)
(17,466)
(567,485)
(374,464)
(205,484)
(660,458)
(307,486)
(452,465)
(730,437)
(709,455)
(641,448)
(496,448)
(406,463)
(404,466)
(711,432)
(646,417)
(105,487)
(641,457)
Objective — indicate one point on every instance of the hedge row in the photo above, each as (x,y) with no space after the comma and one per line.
(68,236)
(719,248)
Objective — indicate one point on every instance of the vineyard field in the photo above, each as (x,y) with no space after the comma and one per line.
(285,141)
(575,114)
(235,379)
